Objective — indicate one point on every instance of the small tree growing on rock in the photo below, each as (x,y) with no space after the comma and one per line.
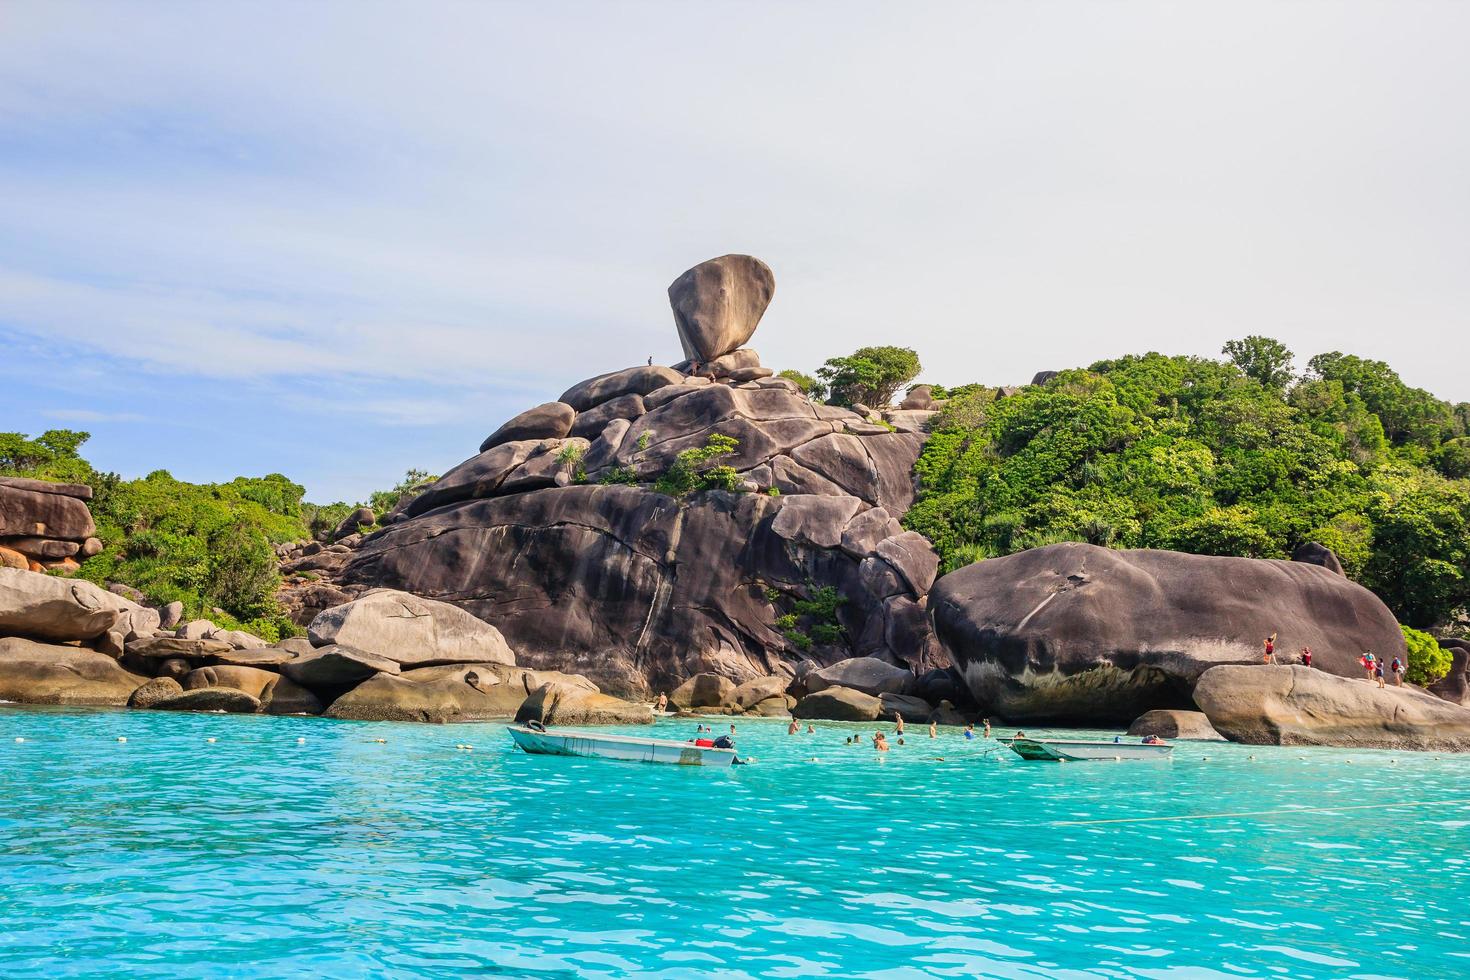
(869,376)
(692,470)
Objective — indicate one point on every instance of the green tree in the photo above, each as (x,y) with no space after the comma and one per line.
(869,376)
(1263,360)
(1428,661)
(695,469)
(808,385)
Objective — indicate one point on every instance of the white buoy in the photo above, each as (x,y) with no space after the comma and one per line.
(210,739)
(301,741)
(19,739)
(381,741)
(122,738)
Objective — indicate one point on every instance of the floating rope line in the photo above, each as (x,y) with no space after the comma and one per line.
(1261,813)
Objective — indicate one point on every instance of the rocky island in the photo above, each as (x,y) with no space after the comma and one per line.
(709,530)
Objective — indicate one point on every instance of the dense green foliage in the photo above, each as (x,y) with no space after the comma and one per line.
(209,546)
(692,469)
(807,384)
(813,620)
(1428,661)
(1194,455)
(869,376)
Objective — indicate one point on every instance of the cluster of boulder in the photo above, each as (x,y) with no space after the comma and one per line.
(383,656)
(44,525)
(556,532)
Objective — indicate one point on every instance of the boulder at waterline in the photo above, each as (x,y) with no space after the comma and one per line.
(1077,633)
(866,674)
(559,703)
(278,695)
(1175,723)
(331,669)
(154,691)
(552,420)
(838,704)
(50,608)
(45,673)
(703,691)
(759,689)
(211,699)
(452,692)
(718,303)
(1264,705)
(410,631)
(915,711)
(772,708)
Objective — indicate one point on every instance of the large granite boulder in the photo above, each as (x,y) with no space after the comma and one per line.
(478,476)
(51,608)
(1077,633)
(838,704)
(570,705)
(154,691)
(867,674)
(172,647)
(44,673)
(640,380)
(759,689)
(552,420)
(211,699)
(330,670)
(628,587)
(278,695)
(718,303)
(913,710)
(29,512)
(703,691)
(411,631)
(1175,723)
(452,692)
(1265,705)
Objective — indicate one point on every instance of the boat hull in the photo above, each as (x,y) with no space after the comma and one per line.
(1059,750)
(623,748)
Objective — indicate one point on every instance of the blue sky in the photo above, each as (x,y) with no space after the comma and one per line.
(337,241)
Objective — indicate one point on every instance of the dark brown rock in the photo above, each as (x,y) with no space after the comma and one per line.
(913,557)
(154,691)
(479,476)
(1077,633)
(1455,685)
(454,692)
(866,674)
(79,490)
(210,699)
(1317,554)
(571,705)
(166,647)
(31,513)
(552,420)
(630,381)
(718,303)
(1175,723)
(589,424)
(44,673)
(838,704)
(331,669)
(42,548)
(815,520)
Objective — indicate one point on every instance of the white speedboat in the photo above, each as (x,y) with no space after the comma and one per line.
(628,748)
(1067,750)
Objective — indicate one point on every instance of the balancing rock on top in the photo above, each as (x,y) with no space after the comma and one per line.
(718,303)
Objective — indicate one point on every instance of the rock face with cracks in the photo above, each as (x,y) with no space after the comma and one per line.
(558,535)
(1073,632)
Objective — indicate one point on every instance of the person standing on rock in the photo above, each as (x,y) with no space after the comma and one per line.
(1378,673)
(1398,672)
(1368,663)
(1270,643)
(1306,656)
(663,704)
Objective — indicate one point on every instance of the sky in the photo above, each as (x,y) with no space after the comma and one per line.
(340,240)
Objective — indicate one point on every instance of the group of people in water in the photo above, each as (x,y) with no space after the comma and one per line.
(1369,662)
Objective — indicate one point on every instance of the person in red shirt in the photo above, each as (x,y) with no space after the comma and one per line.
(1306,656)
(1270,643)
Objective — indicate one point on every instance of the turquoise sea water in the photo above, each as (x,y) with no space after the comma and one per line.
(258,857)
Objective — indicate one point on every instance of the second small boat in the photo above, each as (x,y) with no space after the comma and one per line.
(627,748)
(1066,750)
